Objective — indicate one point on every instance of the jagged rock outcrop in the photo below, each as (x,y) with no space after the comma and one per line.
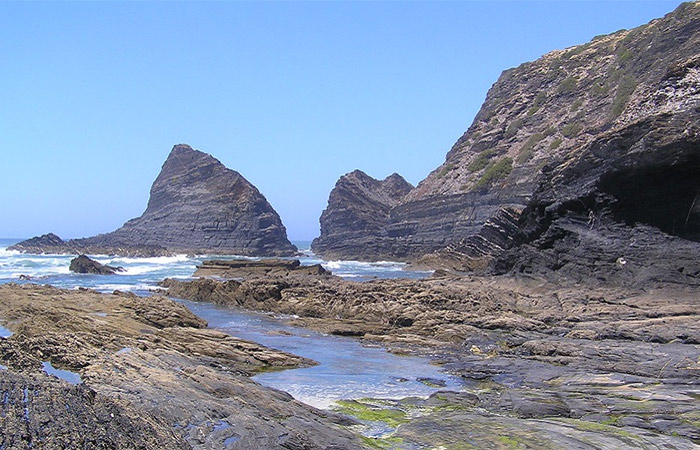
(196,205)
(83,264)
(604,133)
(353,226)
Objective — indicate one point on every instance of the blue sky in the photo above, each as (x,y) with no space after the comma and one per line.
(290,94)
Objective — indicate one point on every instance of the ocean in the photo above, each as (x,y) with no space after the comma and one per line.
(143,274)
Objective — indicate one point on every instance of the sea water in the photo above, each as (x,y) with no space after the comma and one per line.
(346,368)
(142,274)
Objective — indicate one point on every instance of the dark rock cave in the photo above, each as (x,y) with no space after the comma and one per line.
(663,196)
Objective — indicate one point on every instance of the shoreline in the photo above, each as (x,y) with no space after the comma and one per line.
(156,359)
(539,345)
(527,351)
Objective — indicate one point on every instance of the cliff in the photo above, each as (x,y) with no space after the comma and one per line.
(196,205)
(604,133)
(353,224)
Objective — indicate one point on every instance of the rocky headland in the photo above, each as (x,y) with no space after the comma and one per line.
(565,225)
(592,149)
(196,205)
(153,377)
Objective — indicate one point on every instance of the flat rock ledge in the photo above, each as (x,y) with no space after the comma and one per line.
(241,268)
(152,377)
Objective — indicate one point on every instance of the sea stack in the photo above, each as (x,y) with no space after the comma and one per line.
(197,205)
(353,225)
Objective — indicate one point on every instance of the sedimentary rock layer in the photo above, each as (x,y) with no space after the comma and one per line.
(606,132)
(353,224)
(196,205)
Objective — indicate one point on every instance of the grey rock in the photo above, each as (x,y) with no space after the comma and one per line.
(353,224)
(593,147)
(83,264)
(197,205)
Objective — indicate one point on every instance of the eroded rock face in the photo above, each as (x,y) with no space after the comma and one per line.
(353,224)
(608,129)
(196,205)
(43,412)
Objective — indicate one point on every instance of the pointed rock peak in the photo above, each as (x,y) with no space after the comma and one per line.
(183,154)
(357,174)
(397,183)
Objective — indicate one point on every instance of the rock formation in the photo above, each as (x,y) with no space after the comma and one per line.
(264,267)
(353,224)
(583,144)
(83,264)
(196,205)
(549,365)
(153,377)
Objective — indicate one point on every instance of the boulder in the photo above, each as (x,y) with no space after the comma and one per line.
(83,264)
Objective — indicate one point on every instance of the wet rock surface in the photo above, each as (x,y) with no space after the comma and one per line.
(600,364)
(196,205)
(83,264)
(153,377)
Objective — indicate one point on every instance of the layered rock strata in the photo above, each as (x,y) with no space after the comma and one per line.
(353,224)
(601,133)
(196,205)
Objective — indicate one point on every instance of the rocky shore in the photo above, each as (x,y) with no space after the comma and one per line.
(153,376)
(545,365)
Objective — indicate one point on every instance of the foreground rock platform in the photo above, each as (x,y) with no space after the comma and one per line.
(153,377)
(600,366)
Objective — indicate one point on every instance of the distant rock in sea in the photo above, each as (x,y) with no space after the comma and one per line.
(83,264)
(353,224)
(197,205)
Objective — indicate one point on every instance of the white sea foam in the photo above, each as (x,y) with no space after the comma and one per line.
(5,252)
(155,260)
(122,287)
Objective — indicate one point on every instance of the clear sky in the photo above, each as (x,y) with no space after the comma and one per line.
(93,95)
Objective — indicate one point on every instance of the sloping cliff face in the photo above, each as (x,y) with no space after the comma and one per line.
(609,129)
(196,205)
(353,224)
